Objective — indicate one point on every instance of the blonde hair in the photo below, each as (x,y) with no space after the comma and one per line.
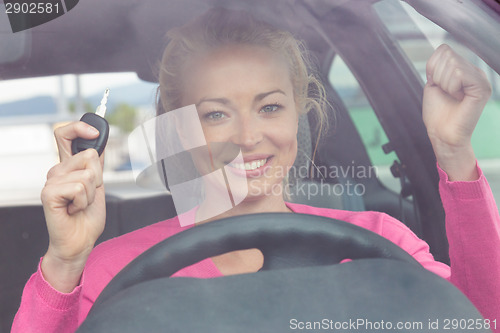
(219,27)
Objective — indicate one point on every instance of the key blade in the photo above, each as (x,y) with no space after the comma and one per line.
(101,109)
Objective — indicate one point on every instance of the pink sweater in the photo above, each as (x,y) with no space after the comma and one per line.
(472,225)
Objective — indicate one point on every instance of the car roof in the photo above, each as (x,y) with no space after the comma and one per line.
(129,35)
(126,35)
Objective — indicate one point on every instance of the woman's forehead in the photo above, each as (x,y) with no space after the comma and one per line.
(231,67)
(238,53)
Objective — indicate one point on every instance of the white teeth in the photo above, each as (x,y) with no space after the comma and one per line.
(250,165)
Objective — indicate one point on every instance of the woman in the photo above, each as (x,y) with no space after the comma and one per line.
(249,83)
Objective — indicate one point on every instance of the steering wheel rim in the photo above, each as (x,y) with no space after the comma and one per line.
(286,240)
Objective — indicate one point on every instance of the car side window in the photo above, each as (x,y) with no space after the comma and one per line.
(365,120)
(30,110)
(417,38)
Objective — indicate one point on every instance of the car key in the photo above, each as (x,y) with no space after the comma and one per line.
(96,120)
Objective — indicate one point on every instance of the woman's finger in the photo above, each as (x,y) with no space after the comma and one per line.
(86,177)
(88,159)
(433,62)
(71,197)
(453,83)
(440,67)
(66,134)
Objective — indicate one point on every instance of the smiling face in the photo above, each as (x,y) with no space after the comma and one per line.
(244,97)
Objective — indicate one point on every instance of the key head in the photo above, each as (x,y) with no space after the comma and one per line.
(98,143)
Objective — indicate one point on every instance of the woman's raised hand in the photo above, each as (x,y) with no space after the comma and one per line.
(454,97)
(74,207)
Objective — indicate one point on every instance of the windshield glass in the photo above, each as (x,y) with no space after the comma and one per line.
(290,119)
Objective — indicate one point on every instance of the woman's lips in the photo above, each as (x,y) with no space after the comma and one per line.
(252,167)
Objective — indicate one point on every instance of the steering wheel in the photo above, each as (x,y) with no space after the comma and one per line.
(286,240)
(307,245)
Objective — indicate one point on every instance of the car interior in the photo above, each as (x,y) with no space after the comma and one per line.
(128,36)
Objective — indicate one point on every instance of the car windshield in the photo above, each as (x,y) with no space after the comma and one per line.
(334,106)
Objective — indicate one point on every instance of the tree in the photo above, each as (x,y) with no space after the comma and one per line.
(87,107)
(123,116)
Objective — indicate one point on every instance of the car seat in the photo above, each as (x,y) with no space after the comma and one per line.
(318,193)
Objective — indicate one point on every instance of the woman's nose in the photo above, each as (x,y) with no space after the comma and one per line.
(247,133)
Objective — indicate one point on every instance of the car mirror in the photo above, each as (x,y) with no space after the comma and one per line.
(15,46)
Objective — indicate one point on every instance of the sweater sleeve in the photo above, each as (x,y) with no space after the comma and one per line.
(473,230)
(44,309)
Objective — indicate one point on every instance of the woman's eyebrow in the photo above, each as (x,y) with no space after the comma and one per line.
(260,97)
(226,101)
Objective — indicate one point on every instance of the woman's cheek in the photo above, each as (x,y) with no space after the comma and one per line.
(286,141)
(215,134)
(286,135)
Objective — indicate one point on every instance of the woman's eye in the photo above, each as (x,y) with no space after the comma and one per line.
(270,108)
(215,115)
